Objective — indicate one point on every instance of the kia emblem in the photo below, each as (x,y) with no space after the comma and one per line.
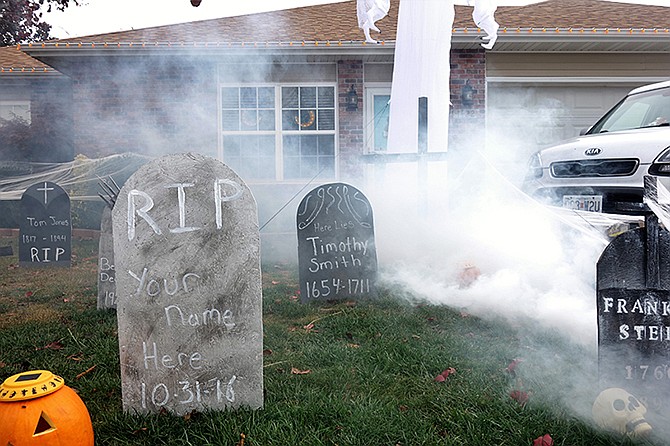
(593,151)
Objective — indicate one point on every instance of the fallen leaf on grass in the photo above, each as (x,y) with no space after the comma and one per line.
(29,293)
(511,368)
(191,415)
(275,282)
(353,345)
(544,440)
(241,442)
(140,430)
(445,374)
(267,352)
(86,372)
(308,327)
(76,357)
(296,371)
(519,396)
(55,345)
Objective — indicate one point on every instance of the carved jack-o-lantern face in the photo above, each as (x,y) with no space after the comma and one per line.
(618,410)
(37,408)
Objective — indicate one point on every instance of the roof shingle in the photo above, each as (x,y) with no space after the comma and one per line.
(337,22)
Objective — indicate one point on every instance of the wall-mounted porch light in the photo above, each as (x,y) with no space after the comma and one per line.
(468,94)
(352,99)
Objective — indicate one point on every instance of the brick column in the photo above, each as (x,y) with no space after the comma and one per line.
(467,121)
(350,125)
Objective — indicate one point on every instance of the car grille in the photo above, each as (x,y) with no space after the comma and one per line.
(593,168)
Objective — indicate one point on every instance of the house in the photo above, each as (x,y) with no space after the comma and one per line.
(296,97)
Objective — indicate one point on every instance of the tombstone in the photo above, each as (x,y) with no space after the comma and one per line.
(337,257)
(106,269)
(45,231)
(633,305)
(188,288)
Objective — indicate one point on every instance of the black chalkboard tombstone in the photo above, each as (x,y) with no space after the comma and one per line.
(633,305)
(106,268)
(45,231)
(188,288)
(337,257)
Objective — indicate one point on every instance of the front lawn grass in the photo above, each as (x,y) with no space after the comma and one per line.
(338,373)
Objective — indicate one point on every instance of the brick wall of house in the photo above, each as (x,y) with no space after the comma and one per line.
(467,121)
(351,144)
(161,107)
(150,107)
(51,120)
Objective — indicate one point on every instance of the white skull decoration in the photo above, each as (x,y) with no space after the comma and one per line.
(618,410)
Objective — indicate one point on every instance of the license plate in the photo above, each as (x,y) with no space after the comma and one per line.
(591,203)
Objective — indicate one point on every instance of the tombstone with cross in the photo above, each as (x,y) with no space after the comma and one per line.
(45,229)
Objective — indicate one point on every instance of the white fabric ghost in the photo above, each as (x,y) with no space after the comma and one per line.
(483,18)
(422,66)
(370,11)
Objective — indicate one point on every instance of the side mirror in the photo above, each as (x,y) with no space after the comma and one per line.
(583,131)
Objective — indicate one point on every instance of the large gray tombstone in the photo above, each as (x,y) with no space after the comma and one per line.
(45,229)
(106,268)
(337,257)
(188,288)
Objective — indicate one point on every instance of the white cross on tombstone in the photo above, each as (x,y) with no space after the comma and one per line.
(46,191)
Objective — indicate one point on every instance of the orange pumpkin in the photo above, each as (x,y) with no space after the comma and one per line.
(37,408)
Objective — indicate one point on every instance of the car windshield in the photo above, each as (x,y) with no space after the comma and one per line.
(648,109)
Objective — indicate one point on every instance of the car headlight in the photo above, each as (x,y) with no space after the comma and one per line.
(534,166)
(661,165)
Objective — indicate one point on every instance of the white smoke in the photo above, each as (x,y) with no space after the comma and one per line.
(533,264)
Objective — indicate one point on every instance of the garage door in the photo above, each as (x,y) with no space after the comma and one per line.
(538,115)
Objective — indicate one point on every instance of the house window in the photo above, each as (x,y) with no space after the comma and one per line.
(10,110)
(279,133)
(308,125)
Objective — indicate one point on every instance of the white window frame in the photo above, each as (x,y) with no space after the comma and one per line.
(278,132)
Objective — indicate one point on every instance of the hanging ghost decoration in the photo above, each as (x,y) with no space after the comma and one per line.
(370,11)
(422,64)
(483,16)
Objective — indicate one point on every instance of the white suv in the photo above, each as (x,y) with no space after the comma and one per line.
(603,170)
